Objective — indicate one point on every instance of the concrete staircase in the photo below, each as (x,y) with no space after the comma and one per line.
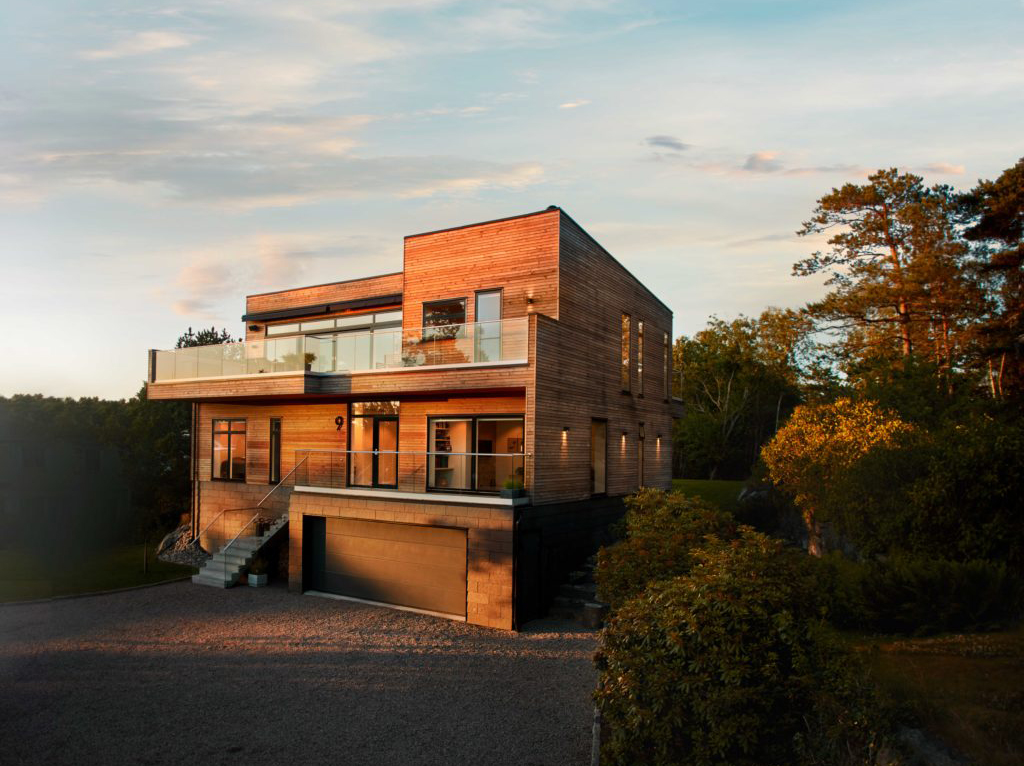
(577,599)
(223,569)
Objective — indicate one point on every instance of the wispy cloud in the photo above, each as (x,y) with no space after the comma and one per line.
(943,168)
(574,104)
(667,142)
(139,44)
(762,162)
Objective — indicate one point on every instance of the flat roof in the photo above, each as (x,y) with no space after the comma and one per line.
(326,284)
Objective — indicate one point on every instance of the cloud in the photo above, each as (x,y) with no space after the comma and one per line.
(762,162)
(574,104)
(667,142)
(139,44)
(943,168)
(214,276)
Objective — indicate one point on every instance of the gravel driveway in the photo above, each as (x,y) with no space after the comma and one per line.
(185,674)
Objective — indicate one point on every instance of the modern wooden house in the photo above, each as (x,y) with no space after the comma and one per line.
(451,438)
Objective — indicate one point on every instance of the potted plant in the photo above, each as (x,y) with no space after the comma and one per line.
(512,488)
(310,357)
(258,572)
(260,525)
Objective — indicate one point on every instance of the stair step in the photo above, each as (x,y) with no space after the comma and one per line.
(215,582)
(586,591)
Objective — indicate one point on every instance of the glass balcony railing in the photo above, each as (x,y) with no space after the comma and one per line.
(347,352)
(412,471)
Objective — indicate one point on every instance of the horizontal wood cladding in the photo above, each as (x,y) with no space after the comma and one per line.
(412,381)
(223,388)
(519,255)
(310,426)
(387,284)
(303,426)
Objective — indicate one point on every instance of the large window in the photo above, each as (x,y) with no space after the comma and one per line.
(228,450)
(444,319)
(625,354)
(481,454)
(598,457)
(640,358)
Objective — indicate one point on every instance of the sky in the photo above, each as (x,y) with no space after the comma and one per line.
(161,160)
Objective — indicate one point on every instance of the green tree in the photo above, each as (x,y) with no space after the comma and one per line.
(210,337)
(740,380)
(897,273)
(995,212)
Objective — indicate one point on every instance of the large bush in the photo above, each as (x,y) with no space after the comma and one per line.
(730,664)
(661,532)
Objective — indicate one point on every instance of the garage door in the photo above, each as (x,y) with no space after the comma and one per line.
(402,564)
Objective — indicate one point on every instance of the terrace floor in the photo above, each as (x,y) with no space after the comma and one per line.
(185,674)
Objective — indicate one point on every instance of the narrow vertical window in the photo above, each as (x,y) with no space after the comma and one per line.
(228,450)
(625,353)
(598,457)
(640,358)
(666,357)
(275,450)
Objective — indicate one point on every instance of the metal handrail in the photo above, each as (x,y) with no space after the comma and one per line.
(254,507)
(413,452)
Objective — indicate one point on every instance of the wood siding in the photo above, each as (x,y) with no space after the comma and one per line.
(518,255)
(370,287)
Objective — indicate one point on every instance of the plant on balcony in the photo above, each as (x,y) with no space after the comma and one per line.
(512,487)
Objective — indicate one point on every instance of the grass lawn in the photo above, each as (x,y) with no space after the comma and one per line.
(721,493)
(23,578)
(968,690)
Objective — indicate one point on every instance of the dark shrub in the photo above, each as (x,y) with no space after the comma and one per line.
(917,595)
(661,531)
(920,596)
(731,665)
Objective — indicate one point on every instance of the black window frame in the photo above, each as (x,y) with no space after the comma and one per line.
(667,364)
(640,358)
(377,418)
(473,420)
(476,320)
(432,332)
(626,352)
(213,434)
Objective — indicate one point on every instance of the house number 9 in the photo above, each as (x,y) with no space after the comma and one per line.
(339,422)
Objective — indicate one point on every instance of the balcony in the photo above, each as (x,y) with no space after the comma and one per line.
(350,353)
(473,477)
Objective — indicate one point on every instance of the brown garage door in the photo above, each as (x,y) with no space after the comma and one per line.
(403,564)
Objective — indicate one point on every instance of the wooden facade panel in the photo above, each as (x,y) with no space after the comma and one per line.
(519,256)
(311,426)
(385,284)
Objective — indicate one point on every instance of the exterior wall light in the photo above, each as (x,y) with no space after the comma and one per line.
(565,429)
(254,327)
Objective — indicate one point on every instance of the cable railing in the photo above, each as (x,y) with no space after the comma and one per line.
(503,341)
(414,470)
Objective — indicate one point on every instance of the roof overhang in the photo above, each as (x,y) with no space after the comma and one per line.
(325,308)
